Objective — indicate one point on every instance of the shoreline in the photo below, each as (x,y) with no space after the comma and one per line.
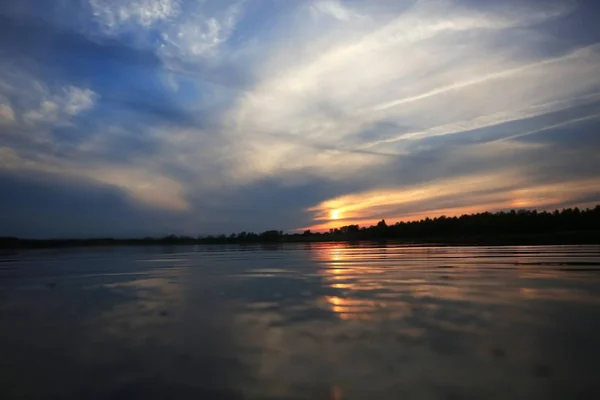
(558,238)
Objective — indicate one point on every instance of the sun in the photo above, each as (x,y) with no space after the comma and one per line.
(335,214)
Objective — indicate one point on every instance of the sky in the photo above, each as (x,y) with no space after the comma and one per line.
(148,117)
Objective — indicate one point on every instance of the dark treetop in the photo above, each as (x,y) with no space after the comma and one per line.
(570,225)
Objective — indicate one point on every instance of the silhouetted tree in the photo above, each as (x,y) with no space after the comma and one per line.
(569,225)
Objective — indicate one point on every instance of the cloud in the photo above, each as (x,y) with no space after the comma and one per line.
(7,115)
(187,36)
(266,110)
(533,87)
(487,192)
(114,15)
(144,185)
(78,100)
(197,34)
(334,8)
(60,107)
(141,182)
(413,54)
(42,205)
(553,127)
(34,101)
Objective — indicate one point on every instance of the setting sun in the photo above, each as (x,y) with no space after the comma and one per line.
(335,214)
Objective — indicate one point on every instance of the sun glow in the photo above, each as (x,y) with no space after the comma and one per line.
(335,214)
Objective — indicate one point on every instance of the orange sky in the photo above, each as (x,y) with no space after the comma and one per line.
(418,202)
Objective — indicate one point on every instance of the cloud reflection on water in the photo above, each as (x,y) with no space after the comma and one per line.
(333,321)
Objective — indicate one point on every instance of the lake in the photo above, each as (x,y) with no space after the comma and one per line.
(301,321)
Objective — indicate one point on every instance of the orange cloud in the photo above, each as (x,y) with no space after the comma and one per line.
(472,194)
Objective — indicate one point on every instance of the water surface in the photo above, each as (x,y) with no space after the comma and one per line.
(306,321)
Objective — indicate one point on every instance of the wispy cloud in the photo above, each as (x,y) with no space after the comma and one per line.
(115,15)
(332,96)
(59,108)
(533,86)
(197,34)
(335,9)
(379,109)
(7,115)
(507,190)
(140,182)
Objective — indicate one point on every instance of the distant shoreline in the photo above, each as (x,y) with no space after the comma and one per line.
(562,238)
(523,227)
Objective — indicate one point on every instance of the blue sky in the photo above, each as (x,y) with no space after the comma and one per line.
(146,117)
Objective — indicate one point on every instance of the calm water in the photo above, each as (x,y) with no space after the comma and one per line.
(327,321)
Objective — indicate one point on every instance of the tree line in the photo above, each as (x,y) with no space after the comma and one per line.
(569,225)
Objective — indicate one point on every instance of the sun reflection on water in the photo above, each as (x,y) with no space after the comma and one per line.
(356,280)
